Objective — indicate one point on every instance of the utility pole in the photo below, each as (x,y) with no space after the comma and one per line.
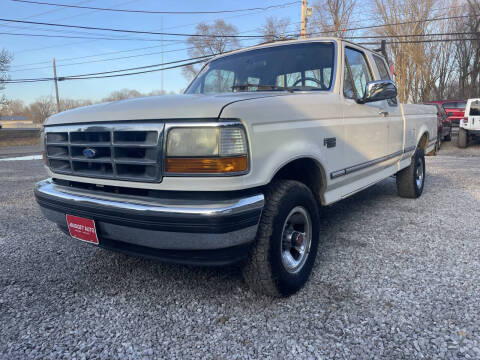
(303,26)
(161,49)
(306,13)
(56,84)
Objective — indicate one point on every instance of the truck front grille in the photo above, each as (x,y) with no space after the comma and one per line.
(131,152)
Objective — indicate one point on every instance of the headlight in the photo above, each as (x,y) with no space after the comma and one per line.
(206,150)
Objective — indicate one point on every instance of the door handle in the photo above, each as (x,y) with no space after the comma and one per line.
(383,113)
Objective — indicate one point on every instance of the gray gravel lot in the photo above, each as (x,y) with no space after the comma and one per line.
(395,278)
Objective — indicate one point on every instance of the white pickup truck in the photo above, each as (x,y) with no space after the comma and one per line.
(236,168)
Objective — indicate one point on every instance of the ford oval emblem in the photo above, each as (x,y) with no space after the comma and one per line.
(89,153)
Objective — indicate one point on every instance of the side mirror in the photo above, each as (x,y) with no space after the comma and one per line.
(378,90)
(450,114)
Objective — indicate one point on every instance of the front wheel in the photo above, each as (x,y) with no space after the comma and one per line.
(285,249)
(410,180)
(462,138)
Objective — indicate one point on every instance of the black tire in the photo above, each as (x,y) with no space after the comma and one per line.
(439,144)
(407,185)
(462,138)
(265,271)
(448,137)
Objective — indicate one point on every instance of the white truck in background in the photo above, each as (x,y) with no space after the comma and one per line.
(236,168)
(469,126)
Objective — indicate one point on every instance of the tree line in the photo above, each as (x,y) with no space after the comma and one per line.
(45,106)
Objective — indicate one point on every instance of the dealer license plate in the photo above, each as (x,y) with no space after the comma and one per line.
(82,229)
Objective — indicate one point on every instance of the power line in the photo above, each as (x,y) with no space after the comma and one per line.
(102,60)
(90,56)
(126,30)
(71,77)
(83,37)
(140,67)
(62,31)
(108,59)
(155,12)
(138,72)
(167,28)
(18,81)
(59,19)
(424,41)
(108,74)
(410,35)
(391,24)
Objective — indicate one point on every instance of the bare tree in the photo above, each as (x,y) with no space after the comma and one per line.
(41,109)
(332,17)
(411,60)
(122,95)
(5,59)
(217,40)
(13,108)
(467,52)
(274,28)
(68,104)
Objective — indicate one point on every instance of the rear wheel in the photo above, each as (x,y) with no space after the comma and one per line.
(462,138)
(410,180)
(286,246)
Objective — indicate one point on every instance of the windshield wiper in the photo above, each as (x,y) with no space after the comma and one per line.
(261,87)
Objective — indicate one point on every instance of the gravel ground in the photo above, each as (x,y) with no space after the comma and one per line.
(395,278)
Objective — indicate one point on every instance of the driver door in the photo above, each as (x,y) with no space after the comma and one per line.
(366,129)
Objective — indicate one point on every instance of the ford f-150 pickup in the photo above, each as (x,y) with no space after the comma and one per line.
(236,168)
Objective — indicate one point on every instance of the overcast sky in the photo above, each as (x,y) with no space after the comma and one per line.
(29,50)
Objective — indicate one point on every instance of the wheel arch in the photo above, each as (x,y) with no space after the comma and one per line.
(306,170)
(423,141)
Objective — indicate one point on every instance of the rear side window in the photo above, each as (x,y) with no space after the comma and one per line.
(357,74)
(475,108)
(382,68)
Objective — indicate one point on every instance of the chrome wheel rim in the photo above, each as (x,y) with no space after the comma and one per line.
(419,173)
(296,239)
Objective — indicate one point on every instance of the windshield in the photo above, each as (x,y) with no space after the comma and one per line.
(277,68)
(475,108)
(455,105)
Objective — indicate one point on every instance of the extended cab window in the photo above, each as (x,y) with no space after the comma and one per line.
(356,74)
(275,68)
(382,68)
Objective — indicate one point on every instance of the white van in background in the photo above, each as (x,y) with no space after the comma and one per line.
(470,125)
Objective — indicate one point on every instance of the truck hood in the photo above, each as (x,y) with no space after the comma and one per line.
(156,107)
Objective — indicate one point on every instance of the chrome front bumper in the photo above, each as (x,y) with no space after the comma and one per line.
(147,225)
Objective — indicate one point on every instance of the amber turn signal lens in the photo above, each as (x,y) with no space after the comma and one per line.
(220,165)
